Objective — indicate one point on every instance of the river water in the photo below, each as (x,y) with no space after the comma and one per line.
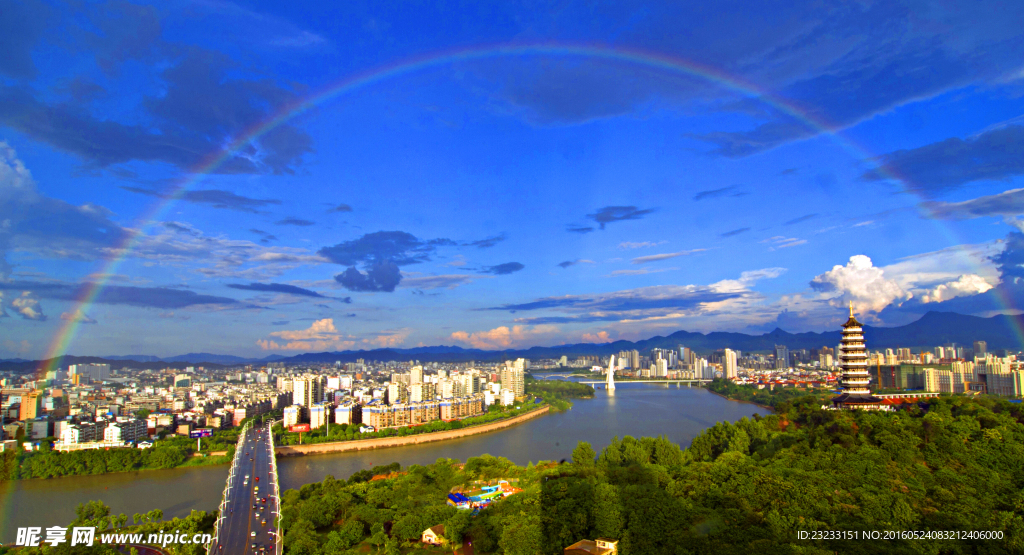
(677,412)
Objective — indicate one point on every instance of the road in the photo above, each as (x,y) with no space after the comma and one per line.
(243,525)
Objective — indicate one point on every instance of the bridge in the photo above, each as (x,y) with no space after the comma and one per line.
(251,508)
(621,381)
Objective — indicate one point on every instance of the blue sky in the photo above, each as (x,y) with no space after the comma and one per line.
(538,196)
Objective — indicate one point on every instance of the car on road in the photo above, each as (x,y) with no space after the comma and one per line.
(253,533)
(264,523)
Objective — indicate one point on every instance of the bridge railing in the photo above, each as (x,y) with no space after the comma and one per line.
(227,487)
(279,537)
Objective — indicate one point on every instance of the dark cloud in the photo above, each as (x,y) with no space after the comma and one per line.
(148,297)
(633,303)
(276,288)
(182,228)
(570,91)
(568,263)
(103,142)
(20,27)
(801,219)
(381,276)
(30,221)
(225,200)
(502,269)
(610,214)
(398,247)
(264,236)
(279,323)
(730,191)
(202,106)
(1008,294)
(340,208)
(450,281)
(572,228)
(295,221)
(836,63)
(83,89)
(788,171)
(1008,204)
(734,232)
(997,154)
(488,242)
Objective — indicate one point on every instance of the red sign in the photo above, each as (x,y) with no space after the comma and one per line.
(299,428)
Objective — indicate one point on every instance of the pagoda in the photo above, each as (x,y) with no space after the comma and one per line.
(854,379)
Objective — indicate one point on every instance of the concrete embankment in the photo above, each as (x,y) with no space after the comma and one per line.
(383,442)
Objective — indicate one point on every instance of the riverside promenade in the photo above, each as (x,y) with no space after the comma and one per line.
(384,442)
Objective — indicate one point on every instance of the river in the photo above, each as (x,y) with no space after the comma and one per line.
(679,413)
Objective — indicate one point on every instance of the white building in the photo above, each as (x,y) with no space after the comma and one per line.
(318,415)
(729,364)
(507,397)
(292,415)
(125,432)
(95,372)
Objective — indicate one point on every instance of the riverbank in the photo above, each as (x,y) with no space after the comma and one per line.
(766,407)
(385,442)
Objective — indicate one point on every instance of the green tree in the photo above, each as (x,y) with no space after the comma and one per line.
(522,535)
(301,539)
(583,455)
(455,528)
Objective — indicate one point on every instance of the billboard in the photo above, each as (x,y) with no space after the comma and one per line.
(201,432)
(299,428)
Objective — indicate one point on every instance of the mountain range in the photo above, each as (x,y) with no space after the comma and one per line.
(932,329)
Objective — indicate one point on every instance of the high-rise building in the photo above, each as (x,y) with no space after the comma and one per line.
(855,378)
(318,415)
(398,392)
(292,415)
(95,372)
(513,377)
(420,392)
(416,375)
(980,348)
(661,368)
(31,405)
(308,390)
(781,357)
(729,363)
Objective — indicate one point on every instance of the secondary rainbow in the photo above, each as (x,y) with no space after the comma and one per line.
(91,291)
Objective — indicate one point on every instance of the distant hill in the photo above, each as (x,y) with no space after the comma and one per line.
(932,329)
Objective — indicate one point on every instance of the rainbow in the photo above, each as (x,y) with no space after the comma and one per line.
(654,60)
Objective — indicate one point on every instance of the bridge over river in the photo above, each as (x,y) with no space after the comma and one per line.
(251,507)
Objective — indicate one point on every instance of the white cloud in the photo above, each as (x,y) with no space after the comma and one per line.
(747,279)
(446,281)
(320,336)
(969,284)
(28,307)
(640,245)
(921,272)
(782,242)
(663,256)
(77,316)
(639,272)
(599,337)
(17,347)
(862,283)
(504,337)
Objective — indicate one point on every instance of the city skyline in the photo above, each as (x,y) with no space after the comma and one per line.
(370,181)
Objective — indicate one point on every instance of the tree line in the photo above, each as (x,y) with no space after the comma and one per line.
(745,487)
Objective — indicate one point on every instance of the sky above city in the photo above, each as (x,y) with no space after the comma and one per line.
(275,178)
